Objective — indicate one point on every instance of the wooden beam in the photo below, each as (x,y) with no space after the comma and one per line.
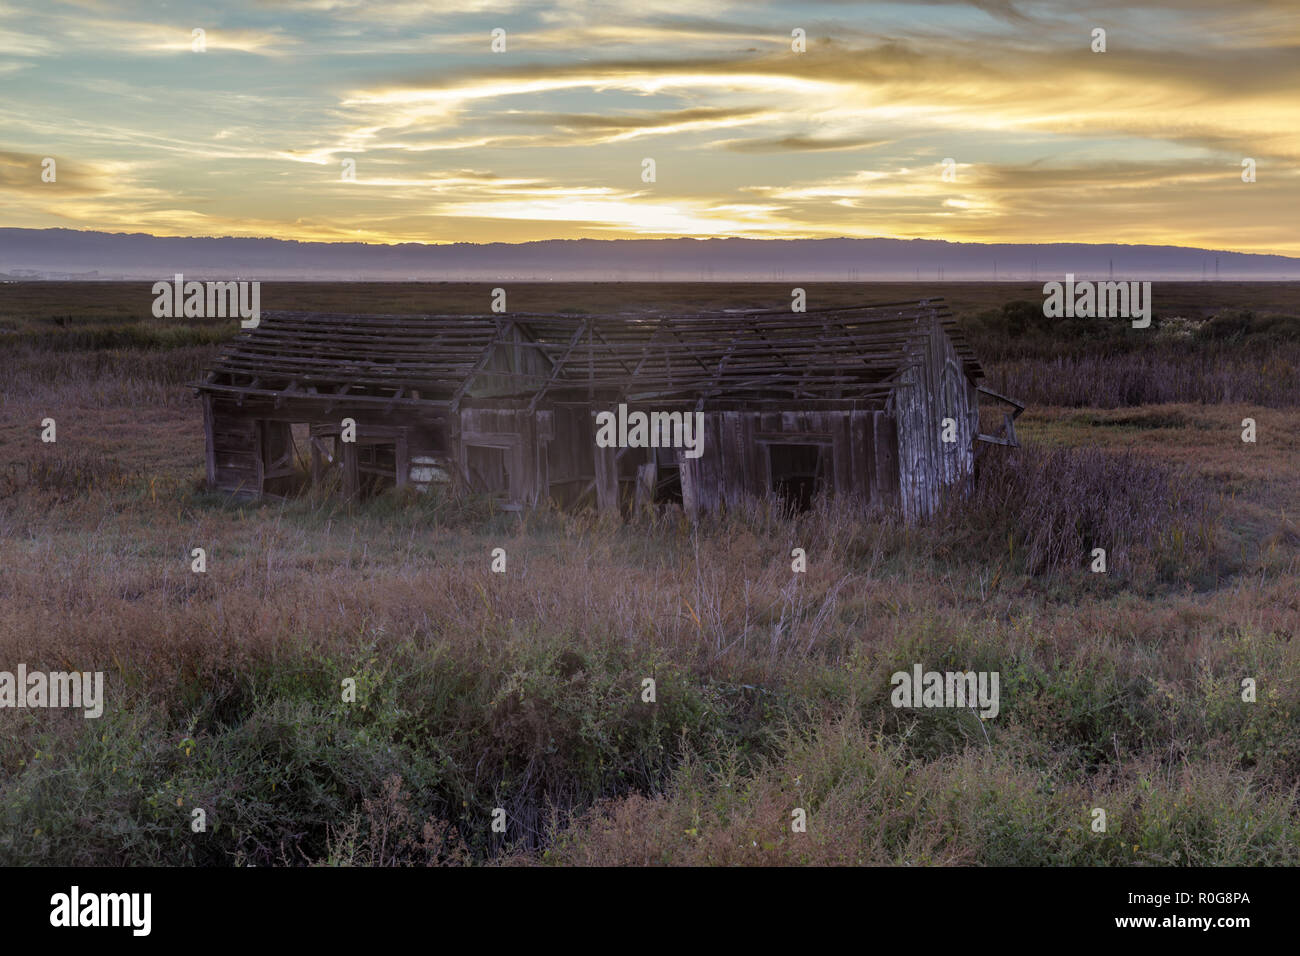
(557,366)
(1020,406)
(463,388)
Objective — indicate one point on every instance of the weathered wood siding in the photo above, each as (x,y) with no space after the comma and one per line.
(511,368)
(735,464)
(844,402)
(572,453)
(932,388)
(520,437)
(249,446)
(234,442)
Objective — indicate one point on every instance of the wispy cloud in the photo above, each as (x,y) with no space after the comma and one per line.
(450,140)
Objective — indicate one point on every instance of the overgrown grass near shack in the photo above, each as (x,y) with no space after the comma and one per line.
(523,690)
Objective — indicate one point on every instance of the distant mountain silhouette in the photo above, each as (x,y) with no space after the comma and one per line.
(66,253)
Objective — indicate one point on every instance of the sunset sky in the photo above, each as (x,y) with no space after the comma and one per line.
(453,142)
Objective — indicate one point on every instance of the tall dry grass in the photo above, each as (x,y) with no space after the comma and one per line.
(523,690)
(1153,377)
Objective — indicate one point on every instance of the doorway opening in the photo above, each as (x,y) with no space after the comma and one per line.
(797,473)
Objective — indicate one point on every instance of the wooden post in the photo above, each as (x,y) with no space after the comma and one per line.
(686,472)
(259,455)
(351,475)
(545,431)
(210,440)
(645,484)
(317,461)
(606,479)
(402,461)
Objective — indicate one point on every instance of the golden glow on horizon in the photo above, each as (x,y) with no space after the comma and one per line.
(1052,142)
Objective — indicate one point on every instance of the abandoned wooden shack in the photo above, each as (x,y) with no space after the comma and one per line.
(848,402)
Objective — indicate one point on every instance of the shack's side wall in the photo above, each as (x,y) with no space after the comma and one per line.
(521,436)
(734,464)
(579,471)
(933,388)
(234,463)
(239,437)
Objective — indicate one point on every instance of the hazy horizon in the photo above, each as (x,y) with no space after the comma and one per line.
(64,254)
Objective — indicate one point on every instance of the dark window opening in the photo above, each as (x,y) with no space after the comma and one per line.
(668,484)
(798,473)
(376,467)
(298,458)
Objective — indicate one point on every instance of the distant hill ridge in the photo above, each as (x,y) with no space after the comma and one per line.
(68,253)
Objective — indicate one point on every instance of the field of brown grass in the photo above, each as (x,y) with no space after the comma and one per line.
(522,691)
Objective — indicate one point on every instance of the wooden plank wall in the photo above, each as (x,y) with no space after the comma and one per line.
(512,368)
(571,456)
(234,459)
(240,438)
(734,465)
(523,435)
(933,388)
(884,458)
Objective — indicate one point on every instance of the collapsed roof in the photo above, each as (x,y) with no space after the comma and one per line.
(429,364)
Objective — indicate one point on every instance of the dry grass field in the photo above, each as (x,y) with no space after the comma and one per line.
(522,691)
